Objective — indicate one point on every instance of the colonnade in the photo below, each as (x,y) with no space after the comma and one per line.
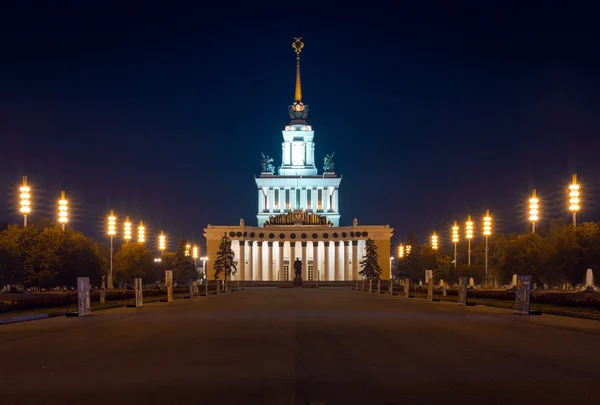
(280,199)
(274,260)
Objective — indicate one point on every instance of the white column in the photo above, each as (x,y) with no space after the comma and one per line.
(355,259)
(292,198)
(241,260)
(326,263)
(271,199)
(250,267)
(336,261)
(304,262)
(316,263)
(313,196)
(336,207)
(260,200)
(280,275)
(292,258)
(258,274)
(325,199)
(347,260)
(269,275)
(303,198)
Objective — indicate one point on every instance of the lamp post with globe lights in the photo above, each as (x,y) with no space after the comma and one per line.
(63,210)
(112,231)
(162,242)
(455,241)
(574,198)
(469,236)
(533,209)
(434,241)
(127,229)
(25,202)
(401,251)
(487,231)
(141,232)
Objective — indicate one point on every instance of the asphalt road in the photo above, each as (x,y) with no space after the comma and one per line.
(301,346)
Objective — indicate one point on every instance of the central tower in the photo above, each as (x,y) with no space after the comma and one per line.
(298,185)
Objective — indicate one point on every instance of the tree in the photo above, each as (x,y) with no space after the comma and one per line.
(132,260)
(370,268)
(184,269)
(224,262)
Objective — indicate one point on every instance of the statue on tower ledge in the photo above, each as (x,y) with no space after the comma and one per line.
(328,163)
(267,164)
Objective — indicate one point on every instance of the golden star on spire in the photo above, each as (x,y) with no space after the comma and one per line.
(298,45)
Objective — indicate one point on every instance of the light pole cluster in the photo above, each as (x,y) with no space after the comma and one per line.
(141,232)
(469,236)
(112,231)
(127,229)
(162,242)
(401,251)
(434,241)
(487,231)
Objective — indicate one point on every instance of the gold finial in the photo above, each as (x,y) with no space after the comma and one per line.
(298,45)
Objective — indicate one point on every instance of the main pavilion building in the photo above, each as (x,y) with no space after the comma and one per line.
(298,216)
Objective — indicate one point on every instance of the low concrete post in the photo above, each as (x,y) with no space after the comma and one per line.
(407,288)
(139,299)
(169,284)
(378,286)
(430,289)
(370,285)
(102,296)
(84,307)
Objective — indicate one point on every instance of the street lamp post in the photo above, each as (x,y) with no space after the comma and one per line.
(162,242)
(25,203)
(187,249)
(455,241)
(401,251)
(574,198)
(434,241)
(487,231)
(195,255)
(141,232)
(63,210)
(112,231)
(533,210)
(469,236)
(127,229)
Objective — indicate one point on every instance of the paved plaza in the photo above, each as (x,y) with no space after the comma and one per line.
(301,346)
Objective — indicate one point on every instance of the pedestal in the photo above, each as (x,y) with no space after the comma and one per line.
(297,281)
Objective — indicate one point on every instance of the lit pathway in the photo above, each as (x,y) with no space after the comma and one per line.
(294,346)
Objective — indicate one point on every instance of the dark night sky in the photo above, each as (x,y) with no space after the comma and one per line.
(433,113)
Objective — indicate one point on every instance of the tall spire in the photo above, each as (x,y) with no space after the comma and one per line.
(298,111)
(298,45)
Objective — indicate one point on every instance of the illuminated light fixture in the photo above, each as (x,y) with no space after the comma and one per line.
(401,251)
(533,209)
(63,210)
(141,232)
(408,248)
(162,241)
(434,241)
(112,224)
(574,198)
(487,224)
(25,202)
(469,236)
(195,252)
(127,229)
(187,249)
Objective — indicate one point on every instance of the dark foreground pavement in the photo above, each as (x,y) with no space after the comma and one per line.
(294,346)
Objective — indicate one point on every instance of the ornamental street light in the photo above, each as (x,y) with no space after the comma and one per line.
(195,254)
(25,202)
(63,210)
(574,198)
(469,236)
(487,231)
(187,249)
(162,242)
(127,229)
(407,249)
(455,240)
(401,251)
(434,241)
(141,232)
(533,209)
(112,231)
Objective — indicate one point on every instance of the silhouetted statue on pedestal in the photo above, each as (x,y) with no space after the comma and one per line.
(297,268)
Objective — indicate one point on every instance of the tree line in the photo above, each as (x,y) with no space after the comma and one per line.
(48,257)
(558,256)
